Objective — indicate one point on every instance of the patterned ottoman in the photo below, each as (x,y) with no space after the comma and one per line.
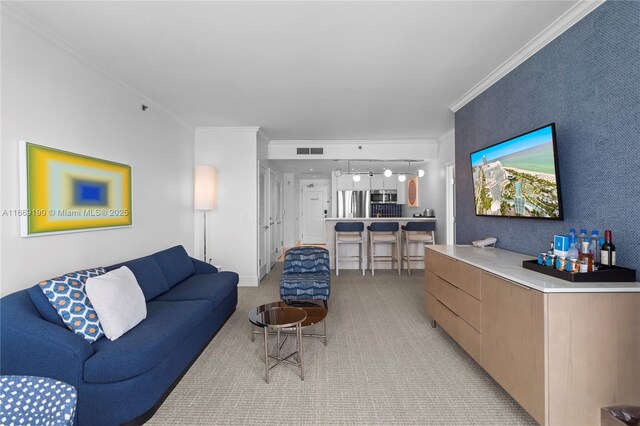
(29,400)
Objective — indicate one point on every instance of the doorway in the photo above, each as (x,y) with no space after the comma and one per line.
(314,211)
(275,218)
(263,223)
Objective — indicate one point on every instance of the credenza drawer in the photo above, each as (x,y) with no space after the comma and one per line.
(442,315)
(466,336)
(469,339)
(441,265)
(468,279)
(462,275)
(462,304)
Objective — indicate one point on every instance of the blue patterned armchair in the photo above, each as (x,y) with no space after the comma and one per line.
(306,274)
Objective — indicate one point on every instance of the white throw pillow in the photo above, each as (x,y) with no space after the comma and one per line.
(117,298)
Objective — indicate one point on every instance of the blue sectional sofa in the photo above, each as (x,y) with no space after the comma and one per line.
(126,380)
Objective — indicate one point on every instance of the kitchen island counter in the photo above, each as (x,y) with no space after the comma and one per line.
(352,249)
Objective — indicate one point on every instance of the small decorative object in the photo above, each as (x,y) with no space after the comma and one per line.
(574,266)
(561,263)
(412,192)
(551,260)
(542,258)
(66,192)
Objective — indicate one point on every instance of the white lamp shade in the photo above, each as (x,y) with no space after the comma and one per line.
(205,188)
(356,178)
(388,173)
(402,178)
(420,173)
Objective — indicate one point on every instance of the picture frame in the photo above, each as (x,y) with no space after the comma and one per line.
(63,192)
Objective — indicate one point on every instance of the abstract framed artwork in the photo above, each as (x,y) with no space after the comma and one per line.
(63,192)
(412,192)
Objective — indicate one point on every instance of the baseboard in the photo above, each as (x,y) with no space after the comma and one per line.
(143,418)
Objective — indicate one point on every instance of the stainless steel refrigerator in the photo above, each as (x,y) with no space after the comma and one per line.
(354,204)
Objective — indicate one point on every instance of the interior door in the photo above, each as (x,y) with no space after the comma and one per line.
(263,222)
(280,217)
(314,211)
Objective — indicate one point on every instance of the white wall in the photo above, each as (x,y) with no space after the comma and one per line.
(52,98)
(232,228)
(432,192)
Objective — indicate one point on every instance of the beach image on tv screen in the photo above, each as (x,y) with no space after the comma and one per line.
(517,177)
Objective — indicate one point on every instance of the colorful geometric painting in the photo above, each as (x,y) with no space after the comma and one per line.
(66,192)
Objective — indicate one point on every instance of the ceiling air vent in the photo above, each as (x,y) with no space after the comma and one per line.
(310,151)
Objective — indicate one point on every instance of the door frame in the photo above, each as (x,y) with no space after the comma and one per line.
(275,219)
(263,234)
(450,202)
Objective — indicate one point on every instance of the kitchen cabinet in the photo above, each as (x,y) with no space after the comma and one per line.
(380,182)
(345,183)
(402,192)
(364,183)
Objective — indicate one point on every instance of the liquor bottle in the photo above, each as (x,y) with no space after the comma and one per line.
(608,251)
(594,248)
(585,259)
(573,250)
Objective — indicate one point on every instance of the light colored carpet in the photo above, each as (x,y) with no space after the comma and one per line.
(384,364)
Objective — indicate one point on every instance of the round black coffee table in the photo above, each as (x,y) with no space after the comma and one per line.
(275,319)
(315,310)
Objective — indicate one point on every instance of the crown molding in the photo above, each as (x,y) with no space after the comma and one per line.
(264,135)
(29,23)
(446,134)
(231,128)
(556,28)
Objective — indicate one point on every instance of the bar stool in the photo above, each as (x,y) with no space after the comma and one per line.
(384,233)
(349,233)
(416,233)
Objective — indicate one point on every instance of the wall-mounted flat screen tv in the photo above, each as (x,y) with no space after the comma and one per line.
(519,177)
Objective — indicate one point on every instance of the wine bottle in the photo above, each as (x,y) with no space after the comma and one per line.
(608,251)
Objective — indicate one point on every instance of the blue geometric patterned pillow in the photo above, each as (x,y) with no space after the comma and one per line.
(67,295)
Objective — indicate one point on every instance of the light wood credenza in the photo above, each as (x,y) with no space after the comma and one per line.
(562,350)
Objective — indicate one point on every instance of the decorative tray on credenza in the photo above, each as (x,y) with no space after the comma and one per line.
(604,274)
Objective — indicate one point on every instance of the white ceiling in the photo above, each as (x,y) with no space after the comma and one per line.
(302,70)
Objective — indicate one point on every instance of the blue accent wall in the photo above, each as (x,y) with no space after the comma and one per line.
(587,81)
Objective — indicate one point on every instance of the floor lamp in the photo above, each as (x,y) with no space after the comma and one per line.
(204,195)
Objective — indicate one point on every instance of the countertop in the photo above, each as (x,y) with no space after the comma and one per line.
(508,264)
(386,219)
